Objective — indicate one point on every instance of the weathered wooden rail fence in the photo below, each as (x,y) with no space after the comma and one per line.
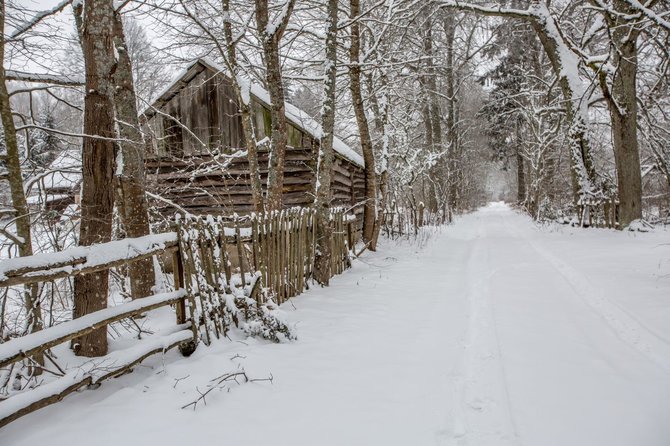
(227,272)
(600,214)
(83,260)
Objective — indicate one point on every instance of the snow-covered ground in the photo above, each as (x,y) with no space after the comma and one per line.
(493,333)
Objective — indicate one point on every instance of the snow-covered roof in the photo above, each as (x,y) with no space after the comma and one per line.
(294,115)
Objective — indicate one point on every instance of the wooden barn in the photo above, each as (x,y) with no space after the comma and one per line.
(195,156)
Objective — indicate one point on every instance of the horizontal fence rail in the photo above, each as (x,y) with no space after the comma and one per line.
(69,263)
(82,259)
(34,343)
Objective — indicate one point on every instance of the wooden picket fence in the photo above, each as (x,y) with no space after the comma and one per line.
(277,247)
(227,271)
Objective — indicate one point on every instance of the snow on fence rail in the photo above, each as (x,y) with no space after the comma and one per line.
(82,259)
(72,262)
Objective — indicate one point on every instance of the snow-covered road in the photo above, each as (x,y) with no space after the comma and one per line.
(493,333)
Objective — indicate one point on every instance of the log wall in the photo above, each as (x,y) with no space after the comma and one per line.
(193,133)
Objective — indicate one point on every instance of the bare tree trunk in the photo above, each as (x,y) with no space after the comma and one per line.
(97,198)
(23,238)
(324,194)
(250,140)
(520,170)
(430,195)
(381,123)
(622,102)
(432,116)
(363,127)
(270,36)
(452,122)
(132,203)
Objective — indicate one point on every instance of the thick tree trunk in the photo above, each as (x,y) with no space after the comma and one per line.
(363,127)
(520,179)
(22,218)
(97,197)
(279,137)
(270,35)
(132,203)
(430,192)
(623,111)
(324,194)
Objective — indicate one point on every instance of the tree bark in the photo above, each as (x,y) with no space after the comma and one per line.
(250,140)
(324,233)
(382,128)
(363,127)
(270,36)
(97,196)
(132,203)
(622,102)
(520,170)
(520,178)
(432,117)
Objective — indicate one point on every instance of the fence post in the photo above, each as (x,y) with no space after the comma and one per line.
(180,277)
(240,251)
(178,274)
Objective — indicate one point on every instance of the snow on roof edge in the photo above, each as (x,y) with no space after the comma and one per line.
(295,115)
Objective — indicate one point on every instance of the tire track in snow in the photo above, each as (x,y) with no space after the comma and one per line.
(483,414)
(627,328)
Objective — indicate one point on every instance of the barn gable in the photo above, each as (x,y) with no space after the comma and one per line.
(211,113)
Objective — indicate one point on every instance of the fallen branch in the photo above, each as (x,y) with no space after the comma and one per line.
(220,383)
